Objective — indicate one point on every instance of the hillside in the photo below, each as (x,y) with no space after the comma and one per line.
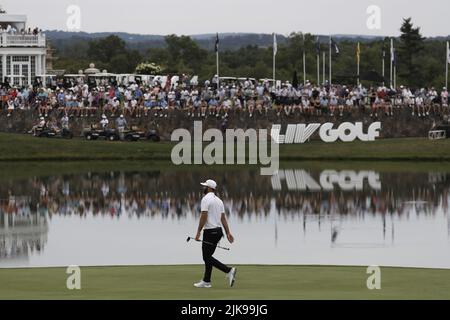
(229,41)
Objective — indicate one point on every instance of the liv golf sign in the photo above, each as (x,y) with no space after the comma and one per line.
(346,132)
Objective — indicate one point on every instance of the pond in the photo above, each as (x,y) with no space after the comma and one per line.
(305,215)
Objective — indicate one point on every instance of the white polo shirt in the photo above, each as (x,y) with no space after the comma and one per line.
(214,207)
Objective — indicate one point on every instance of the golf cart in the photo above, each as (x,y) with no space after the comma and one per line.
(94,133)
(439,132)
(135,134)
(53,133)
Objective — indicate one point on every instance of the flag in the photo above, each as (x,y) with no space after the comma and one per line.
(334,45)
(275,45)
(217,43)
(318,46)
(358,53)
(448,52)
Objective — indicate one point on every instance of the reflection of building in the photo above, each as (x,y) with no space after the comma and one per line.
(21,234)
(22,51)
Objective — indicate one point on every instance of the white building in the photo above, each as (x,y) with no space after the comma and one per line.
(22,55)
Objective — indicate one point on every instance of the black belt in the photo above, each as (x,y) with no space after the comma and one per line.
(212,230)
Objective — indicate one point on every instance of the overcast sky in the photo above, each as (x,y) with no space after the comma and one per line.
(260,16)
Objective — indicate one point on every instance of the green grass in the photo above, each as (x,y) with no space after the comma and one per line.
(14,147)
(253,282)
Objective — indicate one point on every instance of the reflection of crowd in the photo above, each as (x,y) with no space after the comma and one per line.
(147,195)
(150,195)
(247,197)
(342,204)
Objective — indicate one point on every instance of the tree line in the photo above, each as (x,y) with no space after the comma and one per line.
(420,61)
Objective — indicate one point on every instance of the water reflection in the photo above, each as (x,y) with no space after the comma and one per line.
(299,213)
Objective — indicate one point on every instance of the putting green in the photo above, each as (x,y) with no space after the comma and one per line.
(253,282)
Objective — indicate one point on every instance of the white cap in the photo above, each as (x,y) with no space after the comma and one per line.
(121,115)
(210,184)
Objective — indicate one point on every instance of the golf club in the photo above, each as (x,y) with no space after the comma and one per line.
(192,238)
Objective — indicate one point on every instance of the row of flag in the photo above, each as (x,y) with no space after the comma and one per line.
(333,45)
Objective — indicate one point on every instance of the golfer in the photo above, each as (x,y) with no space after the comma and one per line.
(211,222)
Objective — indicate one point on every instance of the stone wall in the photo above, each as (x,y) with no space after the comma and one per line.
(402,124)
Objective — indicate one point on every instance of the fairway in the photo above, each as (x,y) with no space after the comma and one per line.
(253,282)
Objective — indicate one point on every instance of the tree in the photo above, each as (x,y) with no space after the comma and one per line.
(125,62)
(411,44)
(420,63)
(183,51)
(106,48)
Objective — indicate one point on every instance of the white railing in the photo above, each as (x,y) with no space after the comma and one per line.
(19,40)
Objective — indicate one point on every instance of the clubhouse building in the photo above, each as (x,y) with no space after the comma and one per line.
(22,51)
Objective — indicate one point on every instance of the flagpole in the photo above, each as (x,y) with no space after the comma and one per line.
(274,75)
(392,59)
(217,61)
(395,76)
(324,66)
(275,49)
(318,68)
(383,65)
(218,75)
(304,61)
(330,64)
(359,60)
(395,65)
(447,61)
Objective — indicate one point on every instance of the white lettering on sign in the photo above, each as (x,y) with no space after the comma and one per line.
(346,132)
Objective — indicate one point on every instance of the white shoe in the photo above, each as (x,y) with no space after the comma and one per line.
(231,276)
(202,284)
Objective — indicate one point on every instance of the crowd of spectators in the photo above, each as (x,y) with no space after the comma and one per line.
(13,31)
(219,101)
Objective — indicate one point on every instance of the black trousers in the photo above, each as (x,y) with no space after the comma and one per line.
(212,236)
